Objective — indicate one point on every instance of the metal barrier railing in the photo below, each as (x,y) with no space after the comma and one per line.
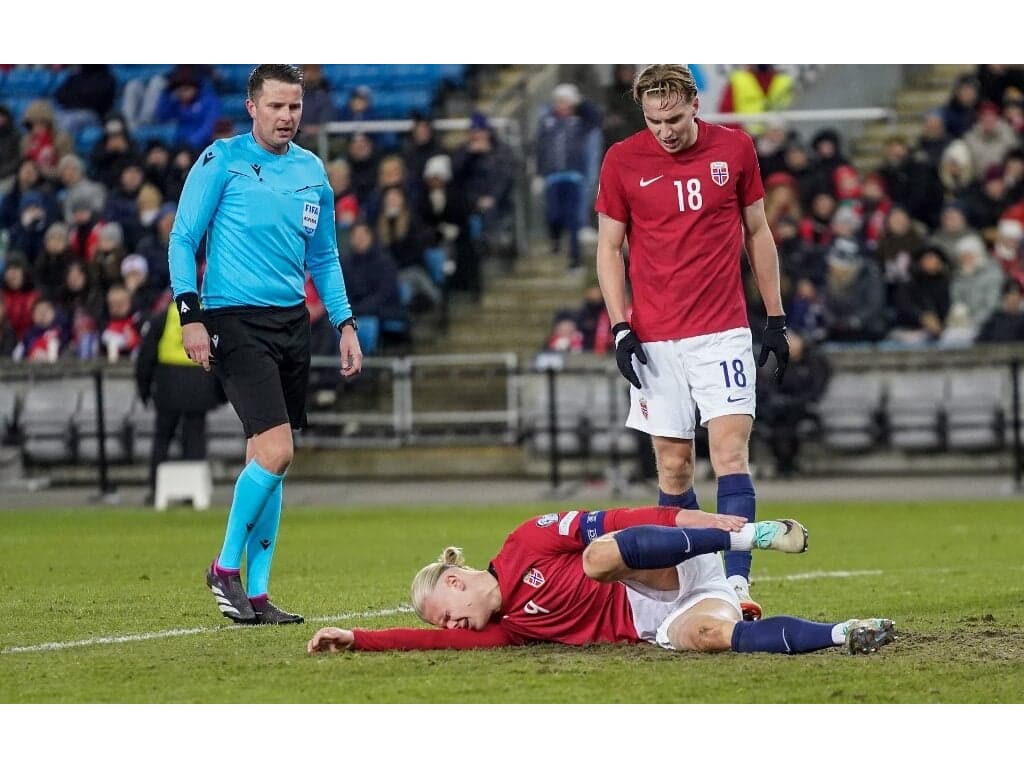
(571,407)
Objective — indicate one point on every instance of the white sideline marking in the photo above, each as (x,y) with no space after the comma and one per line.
(384,612)
(193,631)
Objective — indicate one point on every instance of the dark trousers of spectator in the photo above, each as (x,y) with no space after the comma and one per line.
(562,210)
(193,438)
(783,435)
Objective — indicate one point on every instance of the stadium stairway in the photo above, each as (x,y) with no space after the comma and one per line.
(515,312)
(513,315)
(926,89)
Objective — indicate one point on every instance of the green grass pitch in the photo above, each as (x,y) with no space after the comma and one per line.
(109,605)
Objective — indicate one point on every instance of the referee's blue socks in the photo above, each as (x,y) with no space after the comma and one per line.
(259,548)
(252,489)
(736,497)
(782,634)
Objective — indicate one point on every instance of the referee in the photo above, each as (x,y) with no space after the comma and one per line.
(267,211)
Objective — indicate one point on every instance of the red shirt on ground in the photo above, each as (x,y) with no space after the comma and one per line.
(545,595)
(683,216)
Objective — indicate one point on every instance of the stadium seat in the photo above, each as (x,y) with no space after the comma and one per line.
(369,334)
(915,412)
(17,104)
(974,409)
(401,103)
(453,74)
(125,72)
(414,75)
(607,418)
(850,410)
(573,399)
(162,132)
(46,420)
(234,78)
(28,81)
(87,137)
(118,399)
(8,411)
(226,439)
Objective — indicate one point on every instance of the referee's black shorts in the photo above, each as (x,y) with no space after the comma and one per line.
(261,356)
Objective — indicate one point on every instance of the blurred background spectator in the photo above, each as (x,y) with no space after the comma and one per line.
(568,159)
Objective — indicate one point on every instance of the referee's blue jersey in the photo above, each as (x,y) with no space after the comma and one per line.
(268,218)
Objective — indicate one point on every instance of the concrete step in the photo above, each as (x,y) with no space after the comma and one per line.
(920,100)
(879,132)
(409,462)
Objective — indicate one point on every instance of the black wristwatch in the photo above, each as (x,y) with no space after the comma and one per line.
(350,321)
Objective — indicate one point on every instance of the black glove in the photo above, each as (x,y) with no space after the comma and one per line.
(627,345)
(775,340)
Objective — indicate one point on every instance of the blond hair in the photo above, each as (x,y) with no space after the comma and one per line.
(426,580)
(668,81)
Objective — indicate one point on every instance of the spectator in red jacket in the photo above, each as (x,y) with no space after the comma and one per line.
(18,294)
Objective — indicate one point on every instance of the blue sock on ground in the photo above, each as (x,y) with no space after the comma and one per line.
(736,497)
(781,634)
(259,547)
(252,489)
(661,546)
(685,500)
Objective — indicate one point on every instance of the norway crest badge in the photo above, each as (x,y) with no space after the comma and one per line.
(310,217)
(720,173)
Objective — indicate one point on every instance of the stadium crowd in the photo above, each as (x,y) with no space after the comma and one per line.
(92,163)
(925,248)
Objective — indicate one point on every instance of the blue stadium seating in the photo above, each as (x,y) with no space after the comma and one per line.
(87,137)
(163,132)
(126,72)
(28,81)
(234,78)
(348,76)
(17,104)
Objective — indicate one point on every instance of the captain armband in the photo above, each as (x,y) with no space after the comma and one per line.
(591,526)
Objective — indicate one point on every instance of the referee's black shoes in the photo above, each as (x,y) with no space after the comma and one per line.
(230,595)
(271,614)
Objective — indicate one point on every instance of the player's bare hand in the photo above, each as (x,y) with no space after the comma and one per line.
(694,518)
(330,640)
(196,341)
(351,354)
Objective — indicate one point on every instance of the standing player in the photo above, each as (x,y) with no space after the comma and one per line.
(609,576)
(689,196)
(267,211)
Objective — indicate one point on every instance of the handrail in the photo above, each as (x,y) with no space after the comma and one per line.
(845,114)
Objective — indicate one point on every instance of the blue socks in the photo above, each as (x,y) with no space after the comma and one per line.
(736,497)
(661,546)
(252,489)
(259,548)
(685,500)
(781,634)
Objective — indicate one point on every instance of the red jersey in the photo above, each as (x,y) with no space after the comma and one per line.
(545,595)
(683,217)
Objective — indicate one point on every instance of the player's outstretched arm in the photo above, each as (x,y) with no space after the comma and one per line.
(330,640)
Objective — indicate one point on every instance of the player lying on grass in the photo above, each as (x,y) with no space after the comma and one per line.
(620,575)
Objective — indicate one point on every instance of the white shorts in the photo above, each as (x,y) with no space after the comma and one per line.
(700,578)
(714,372)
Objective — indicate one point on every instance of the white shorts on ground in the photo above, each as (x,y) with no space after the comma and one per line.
(714,372)
(700,578)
